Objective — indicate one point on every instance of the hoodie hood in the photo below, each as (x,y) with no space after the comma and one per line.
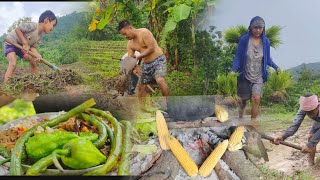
(255,19)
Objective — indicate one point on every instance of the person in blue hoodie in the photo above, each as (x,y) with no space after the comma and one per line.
(251,61)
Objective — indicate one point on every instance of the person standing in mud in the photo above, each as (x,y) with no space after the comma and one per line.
(27,35)
(250,61)
(154,61)
(309,105)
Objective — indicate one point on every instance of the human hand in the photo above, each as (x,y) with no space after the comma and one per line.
(277,139)
(305,149)
(139,58)
(38,57)
(25,48)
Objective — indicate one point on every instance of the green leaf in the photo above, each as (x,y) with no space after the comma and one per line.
(107,18)
(170,26)
(168,3)
(153,4)
(181,12)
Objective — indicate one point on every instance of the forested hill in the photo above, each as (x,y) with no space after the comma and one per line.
(314,67)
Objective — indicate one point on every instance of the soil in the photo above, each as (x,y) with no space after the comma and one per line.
(291,161)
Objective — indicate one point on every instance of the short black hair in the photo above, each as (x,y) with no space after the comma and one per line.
(123,24)
(48,14)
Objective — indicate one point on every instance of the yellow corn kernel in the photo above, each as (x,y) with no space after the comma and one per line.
(162,130)
(182,156)
(213,159)
(235,139)
(221,113)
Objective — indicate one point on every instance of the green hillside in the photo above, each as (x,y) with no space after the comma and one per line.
(314,67)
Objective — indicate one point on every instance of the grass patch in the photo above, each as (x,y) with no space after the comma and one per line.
(277,118)
(302,175)
(270,174)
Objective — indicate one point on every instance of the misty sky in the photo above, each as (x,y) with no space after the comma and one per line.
(300,21)
(11,11)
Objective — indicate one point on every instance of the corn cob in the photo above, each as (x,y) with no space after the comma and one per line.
(162,129)
(221,113)
(213,159)
(182,156)
(235,139)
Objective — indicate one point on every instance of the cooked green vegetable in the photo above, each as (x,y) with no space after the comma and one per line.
(18,149)
(41,165)
(115,146)
(83,154)
(43,144)
(4,152)
(78,153)
(103,135)
(125,159)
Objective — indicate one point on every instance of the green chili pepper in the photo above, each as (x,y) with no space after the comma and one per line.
(4,152)
(43,144)
(18,149)
(103,135)
(77,153)
(115,146)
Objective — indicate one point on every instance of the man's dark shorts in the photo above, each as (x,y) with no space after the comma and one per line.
(11,48)
(153,70)
(247,88)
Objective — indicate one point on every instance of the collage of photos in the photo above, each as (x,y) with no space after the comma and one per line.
(160,90)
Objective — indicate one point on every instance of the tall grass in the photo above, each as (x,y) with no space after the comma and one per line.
(227,85)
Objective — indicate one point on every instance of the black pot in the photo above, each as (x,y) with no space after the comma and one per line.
(190,108)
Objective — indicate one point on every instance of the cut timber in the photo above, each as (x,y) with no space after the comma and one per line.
(241,166)
(221,173)
(166,167)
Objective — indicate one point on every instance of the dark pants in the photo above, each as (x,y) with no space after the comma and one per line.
(134,82)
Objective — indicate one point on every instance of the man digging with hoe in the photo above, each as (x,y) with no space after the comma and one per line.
(154,61)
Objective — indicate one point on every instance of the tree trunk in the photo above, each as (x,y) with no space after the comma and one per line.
(176,58)
(166,52)
(194,54)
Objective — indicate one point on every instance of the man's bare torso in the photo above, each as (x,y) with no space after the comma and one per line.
(139,44)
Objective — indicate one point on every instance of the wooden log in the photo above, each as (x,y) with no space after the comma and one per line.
(221,173)
(241,166)
(166,167)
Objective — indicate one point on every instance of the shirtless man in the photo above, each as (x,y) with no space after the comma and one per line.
(154,61)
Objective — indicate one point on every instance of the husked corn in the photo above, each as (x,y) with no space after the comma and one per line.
(221,113)
(235,139)
(162,130)
(182,156)
(208,165)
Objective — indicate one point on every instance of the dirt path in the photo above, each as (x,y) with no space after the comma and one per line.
(291,161)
